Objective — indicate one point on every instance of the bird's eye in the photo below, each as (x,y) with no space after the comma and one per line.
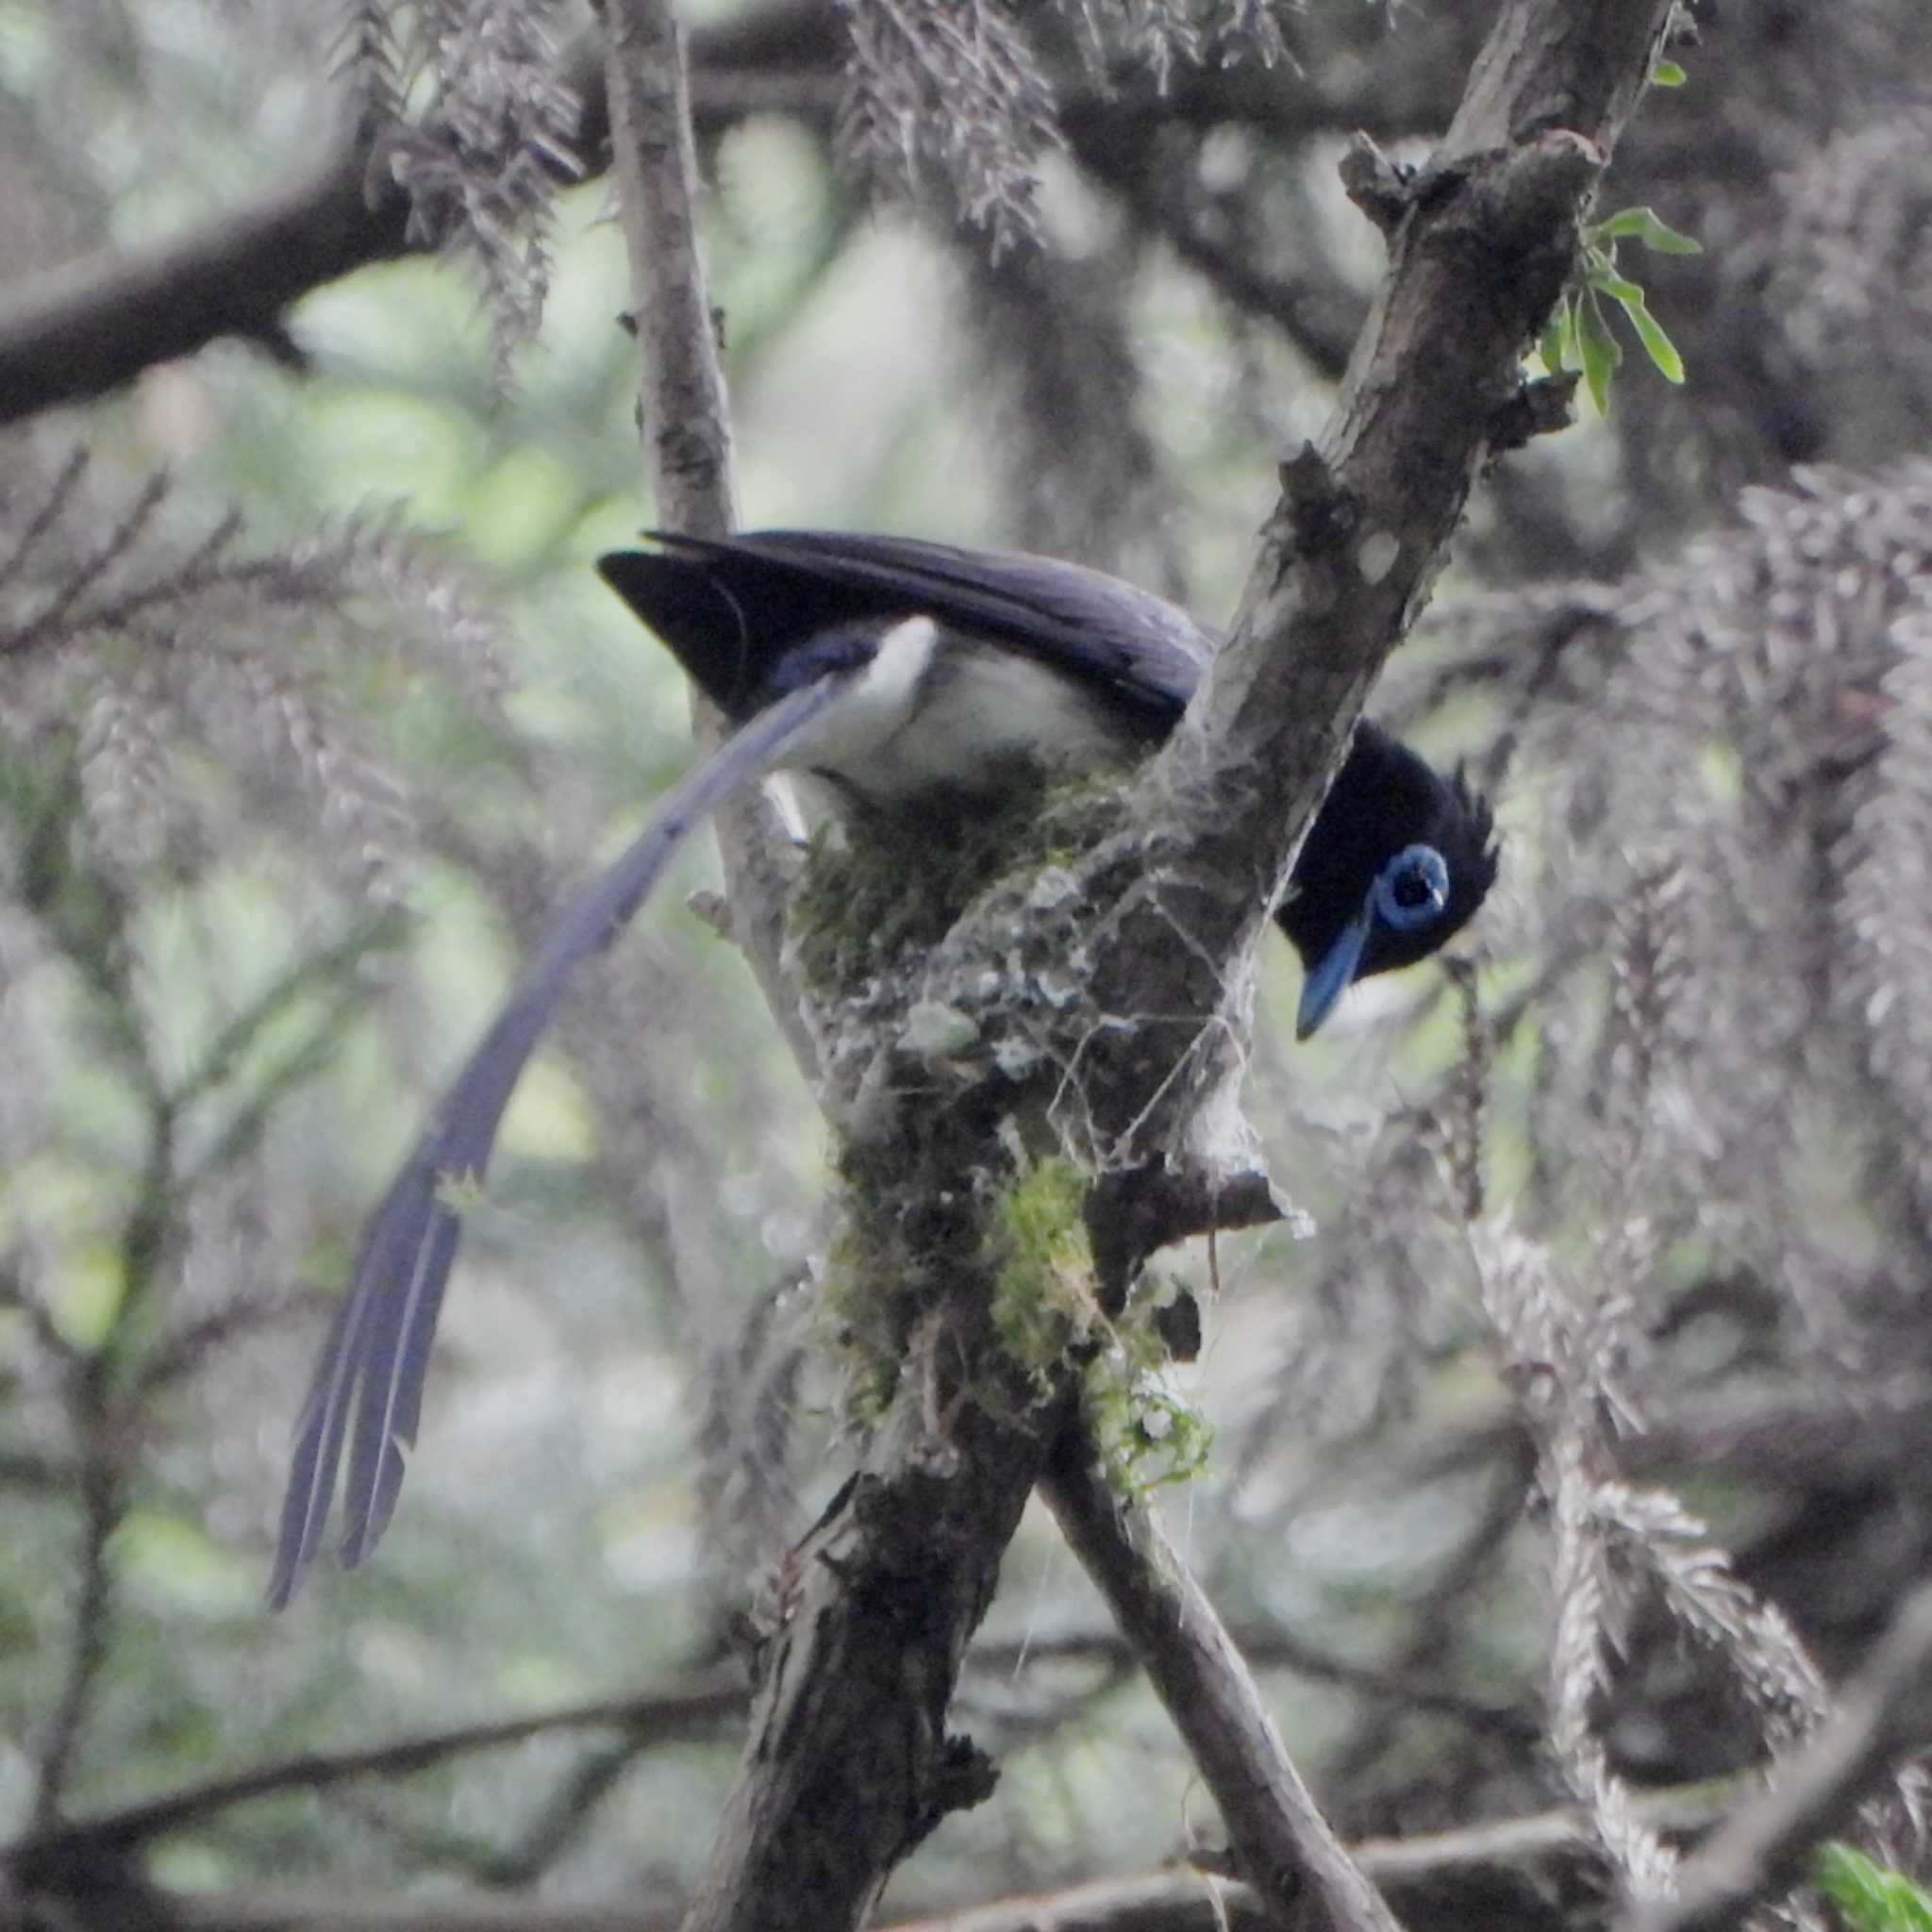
(1411,889)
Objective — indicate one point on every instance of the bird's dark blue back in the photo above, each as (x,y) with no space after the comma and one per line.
(728,610)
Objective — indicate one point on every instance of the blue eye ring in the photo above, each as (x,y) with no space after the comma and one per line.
(1412,890)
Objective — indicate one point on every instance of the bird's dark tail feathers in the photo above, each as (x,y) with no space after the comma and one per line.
(367,1393)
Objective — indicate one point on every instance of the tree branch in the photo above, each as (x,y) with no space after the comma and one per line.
(694,1711)
(82,331)
(1433,1876)
(1319,320)
(849,1763)
(1282,1845)
(1429,1867)
(685,420)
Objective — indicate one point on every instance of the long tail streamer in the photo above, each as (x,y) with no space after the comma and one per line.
(368,1385)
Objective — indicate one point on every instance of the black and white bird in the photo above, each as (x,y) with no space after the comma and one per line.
(899,674)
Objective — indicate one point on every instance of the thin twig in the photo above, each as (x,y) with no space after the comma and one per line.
(1270,1647)
(1310,316)
(693,1710)
(86,572)
(101,1504)
(99,1425)
(566,1813)
(44,519)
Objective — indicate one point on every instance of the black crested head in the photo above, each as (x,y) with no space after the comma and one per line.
(1396,863)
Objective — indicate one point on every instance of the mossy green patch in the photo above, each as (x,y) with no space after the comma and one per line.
(903,1241)
(1043,1301)
(912,1212)
(1147,1432)
(866,1310)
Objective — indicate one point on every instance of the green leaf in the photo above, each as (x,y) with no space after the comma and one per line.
(1656,345)
(1599,350)
(1642,224)
(1549,345)
(1571,348)
(1868,1896)
(1668,73)
(1617,288)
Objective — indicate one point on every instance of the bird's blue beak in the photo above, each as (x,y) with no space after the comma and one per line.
(1331,973)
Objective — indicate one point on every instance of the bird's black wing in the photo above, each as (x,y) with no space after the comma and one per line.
(1097,627)
(368,1388)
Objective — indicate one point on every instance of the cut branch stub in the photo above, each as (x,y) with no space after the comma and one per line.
(1131,1212)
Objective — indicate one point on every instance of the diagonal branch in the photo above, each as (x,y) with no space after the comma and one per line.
(849,1763)
(1317,314)
(1448,1879)
(83,330)
(1481,245)
(1201,1678)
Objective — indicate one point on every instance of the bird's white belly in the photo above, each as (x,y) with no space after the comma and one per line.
(928,714)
